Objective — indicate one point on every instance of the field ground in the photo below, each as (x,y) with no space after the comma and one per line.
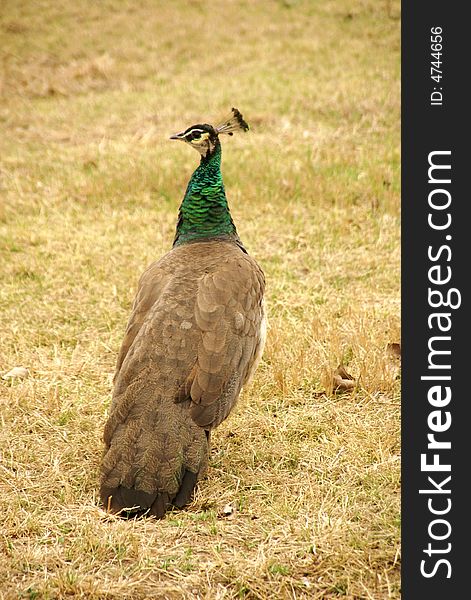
(89,192)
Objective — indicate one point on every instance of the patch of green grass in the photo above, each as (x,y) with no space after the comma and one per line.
(277,569)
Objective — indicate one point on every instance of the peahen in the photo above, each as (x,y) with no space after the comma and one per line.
(195,336)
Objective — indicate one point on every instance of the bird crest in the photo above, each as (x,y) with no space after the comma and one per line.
(233,123)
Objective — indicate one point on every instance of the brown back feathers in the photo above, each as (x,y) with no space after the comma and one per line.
(194,337)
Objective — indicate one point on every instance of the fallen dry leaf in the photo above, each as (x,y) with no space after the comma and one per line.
(343,381)
(16,373)
(228,511)
(393,364)
(393,350)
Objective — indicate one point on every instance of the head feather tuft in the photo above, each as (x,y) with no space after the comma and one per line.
(235,122)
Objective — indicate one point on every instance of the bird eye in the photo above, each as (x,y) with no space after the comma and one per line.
(196,135)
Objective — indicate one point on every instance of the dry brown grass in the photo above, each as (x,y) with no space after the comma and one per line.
(89,190)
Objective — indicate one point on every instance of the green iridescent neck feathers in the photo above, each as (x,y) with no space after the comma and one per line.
(204,212)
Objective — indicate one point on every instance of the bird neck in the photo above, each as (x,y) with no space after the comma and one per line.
(204,212)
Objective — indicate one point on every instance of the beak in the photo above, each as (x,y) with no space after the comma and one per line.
(178,136)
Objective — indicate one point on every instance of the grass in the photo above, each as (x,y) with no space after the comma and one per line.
(89,191)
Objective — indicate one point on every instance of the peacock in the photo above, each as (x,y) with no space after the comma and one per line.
(194,338)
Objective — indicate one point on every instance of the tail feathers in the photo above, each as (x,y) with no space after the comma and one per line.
(130,502)
(185,492)
(153,457)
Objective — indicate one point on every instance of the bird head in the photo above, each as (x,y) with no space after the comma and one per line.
(205,138)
